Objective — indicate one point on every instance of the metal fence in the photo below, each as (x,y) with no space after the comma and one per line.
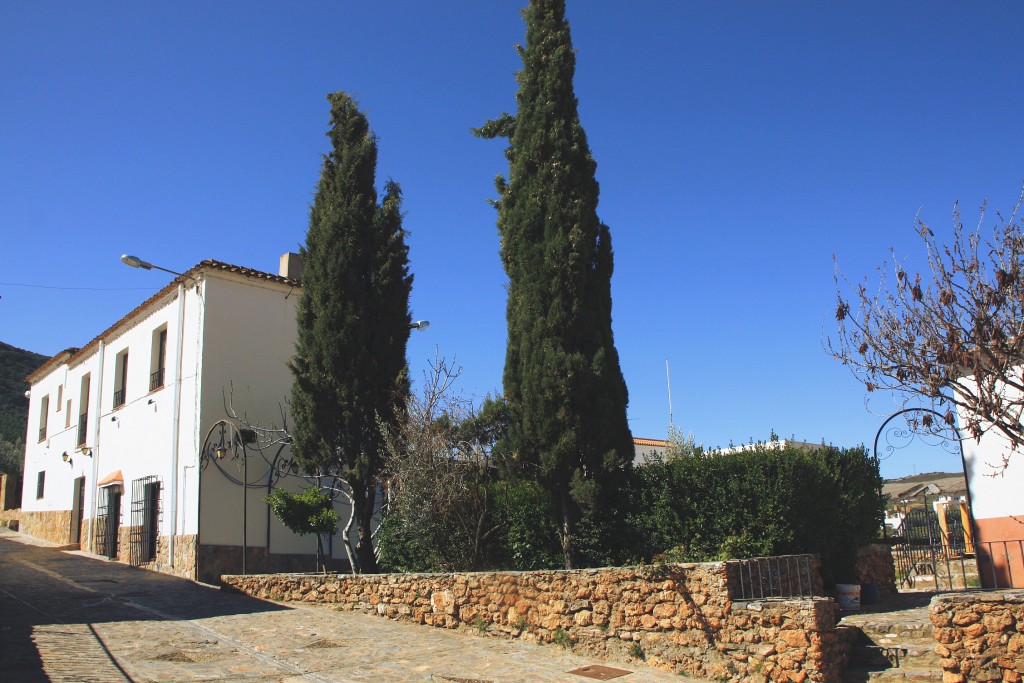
(783,576)
(1001,564)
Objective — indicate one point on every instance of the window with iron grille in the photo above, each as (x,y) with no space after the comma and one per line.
(40,484)
(158,359)
(145,525)
(83,406)
(120,378)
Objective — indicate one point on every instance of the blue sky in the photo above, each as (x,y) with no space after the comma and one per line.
(739,146)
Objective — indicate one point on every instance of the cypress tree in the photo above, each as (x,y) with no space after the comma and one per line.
(562,380)
(353,321)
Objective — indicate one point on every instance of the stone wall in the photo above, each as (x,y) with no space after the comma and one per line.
(50,525)
(216,560)
(980,636)
(875,565)
(677,617)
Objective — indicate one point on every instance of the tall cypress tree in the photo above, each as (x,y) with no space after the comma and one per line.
(562,378)
(353,320)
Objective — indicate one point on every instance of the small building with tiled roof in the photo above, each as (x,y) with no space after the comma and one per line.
(116,427)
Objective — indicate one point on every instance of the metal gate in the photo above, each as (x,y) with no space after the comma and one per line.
(932,546)
(108,521)
(145,520)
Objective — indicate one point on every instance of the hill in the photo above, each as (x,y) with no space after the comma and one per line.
(15,364)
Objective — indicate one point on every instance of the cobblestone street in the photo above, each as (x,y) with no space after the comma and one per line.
(67,616)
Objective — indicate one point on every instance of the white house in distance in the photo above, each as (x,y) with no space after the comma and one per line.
(997,506)
(113,458)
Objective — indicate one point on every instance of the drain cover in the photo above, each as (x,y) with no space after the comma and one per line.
(601,673)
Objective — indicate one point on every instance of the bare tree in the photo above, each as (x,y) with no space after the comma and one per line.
(440,466)
(951,338)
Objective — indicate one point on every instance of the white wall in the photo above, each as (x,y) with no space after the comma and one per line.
(135,438)
(249,338)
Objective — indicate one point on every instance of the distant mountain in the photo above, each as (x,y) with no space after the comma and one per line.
(15,364)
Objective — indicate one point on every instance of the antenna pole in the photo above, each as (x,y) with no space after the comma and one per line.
(668,381)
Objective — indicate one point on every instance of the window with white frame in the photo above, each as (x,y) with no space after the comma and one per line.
(158,359)
(120,378)
(44,413)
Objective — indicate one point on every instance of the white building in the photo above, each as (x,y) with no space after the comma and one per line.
(997,506)
(113,458)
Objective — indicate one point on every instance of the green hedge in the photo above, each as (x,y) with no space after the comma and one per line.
(693,506)
(767,500)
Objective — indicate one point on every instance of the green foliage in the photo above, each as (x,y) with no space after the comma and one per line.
(561,638)
(566,395)
(15,365)
(12,456)
(309,512)
(353,320)
(767,500)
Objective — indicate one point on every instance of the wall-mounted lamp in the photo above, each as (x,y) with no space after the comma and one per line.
(113,418)
(67,458)
(221,451)
(28,393)
(420,325)
(87,451)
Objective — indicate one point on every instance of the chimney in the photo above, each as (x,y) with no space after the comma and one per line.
(291,266)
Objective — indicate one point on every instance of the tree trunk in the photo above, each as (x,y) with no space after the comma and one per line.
(566,508)
(364,505)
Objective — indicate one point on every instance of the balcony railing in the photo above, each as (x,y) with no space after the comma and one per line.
(156,380)
(119,398)
(83,420)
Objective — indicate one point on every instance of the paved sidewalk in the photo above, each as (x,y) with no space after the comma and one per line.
(68,616)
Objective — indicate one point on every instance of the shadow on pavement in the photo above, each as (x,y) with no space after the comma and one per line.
(43,589)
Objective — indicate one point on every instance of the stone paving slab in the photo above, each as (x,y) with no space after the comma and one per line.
(80,618)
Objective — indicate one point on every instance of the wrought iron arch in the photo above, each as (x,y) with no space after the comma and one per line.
(931,424)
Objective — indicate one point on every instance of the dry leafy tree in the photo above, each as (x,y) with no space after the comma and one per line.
(440,466)
(950,339)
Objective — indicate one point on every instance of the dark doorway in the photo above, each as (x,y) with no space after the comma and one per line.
(77,510)
(108,521)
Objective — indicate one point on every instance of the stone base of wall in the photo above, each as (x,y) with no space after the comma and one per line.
(49,525)
(675,617)
(217,560)
(980,635)
(875,565)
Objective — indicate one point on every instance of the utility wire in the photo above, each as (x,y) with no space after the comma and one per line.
(89,289)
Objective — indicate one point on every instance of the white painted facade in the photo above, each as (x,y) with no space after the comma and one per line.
(229,331)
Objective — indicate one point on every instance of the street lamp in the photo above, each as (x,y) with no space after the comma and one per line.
(136,262)
(420,325)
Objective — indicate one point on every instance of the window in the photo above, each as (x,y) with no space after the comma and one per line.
(158,359)
(40,484)
(83,401)
(67,415)
(44,412)
(60,396)
(120,378)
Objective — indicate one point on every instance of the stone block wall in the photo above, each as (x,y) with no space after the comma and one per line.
(216,560)
(980,636)
(676,617)
(50,525)
(875,565)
